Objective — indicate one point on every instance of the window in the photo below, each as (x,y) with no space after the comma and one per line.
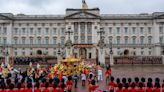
(54,53)
(126,40)
(149,40)
(126,30)
(89,39)
(15,40)
(54,31)
(4,31)
(149,52)
(141,40)
(39,31)
(89,28)
(31,31)
(23,53)
(23,40)
(161,30)
(4,40)
(76,28)
(0,31)
(76,39)
(15,31)
(118,40)
(47,40)
(31,40)
(90,55)
(149,30)
(62,40)
(54,40)
(15,53)
(62,31)
(118,30)
(134,40)
(141,30)
(82,39)
(134,30)
(47,31)
(110,30)
(142,52)
(110,39)
(23,31)
(161,39)
(82,27)
(39,40)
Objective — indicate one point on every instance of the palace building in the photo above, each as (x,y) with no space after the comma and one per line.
(126,34)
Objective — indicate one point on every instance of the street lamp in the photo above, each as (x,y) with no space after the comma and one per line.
(111,53)
(59,53)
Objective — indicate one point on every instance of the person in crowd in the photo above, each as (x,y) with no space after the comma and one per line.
(111,84)
(11,87)
(69,83)
(19,88)
(133,89)
(54,88)
(90,78)
(75,80)
(2,87)
(29,89)
(37,89)
(129,82)
(50,82)
(163,86)
(100,74)
(141,89)
(83,78)
(46,87)
(126,89)
(93,86)
(119,88)
(149,87)
(157,87)
(136,81)
(143,82)
(108,73)
(117,82)
(150,81)
(123,82)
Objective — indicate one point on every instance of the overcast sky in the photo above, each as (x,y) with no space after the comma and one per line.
(59,6)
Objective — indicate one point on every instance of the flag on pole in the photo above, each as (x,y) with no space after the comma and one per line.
(84,5)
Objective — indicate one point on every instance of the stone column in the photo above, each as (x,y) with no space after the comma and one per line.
(101,56)
(156,39)
(111,59)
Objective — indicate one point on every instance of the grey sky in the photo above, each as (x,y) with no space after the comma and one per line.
(59,6)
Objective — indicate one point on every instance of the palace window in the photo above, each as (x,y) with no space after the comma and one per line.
(89,28)
(110,39)
(23,31)
(23,40)
(31,31)
(31,40)
(149,30)
(62,40)
(118,30)
(134,30)
(82,27)
(149,40)
(161,39)
(82,39)
(118,40)
(62,31)
(39,31)
(110,30)
(5,31)
(76,39)
(161,30)
(47,40)
(126,30)
(15,31)
(54,40)
(89,39)
(47,31)
(141,30)
(141,40)
(39,40)
(134,40)
(126,40)
(15,40)
(54,31)
(4,40)
(76,28)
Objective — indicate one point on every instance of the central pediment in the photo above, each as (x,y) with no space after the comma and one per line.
(82,15)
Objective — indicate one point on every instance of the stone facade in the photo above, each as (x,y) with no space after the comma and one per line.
(137,34)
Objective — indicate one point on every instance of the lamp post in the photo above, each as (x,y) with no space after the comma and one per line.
(59,53)
(111,53)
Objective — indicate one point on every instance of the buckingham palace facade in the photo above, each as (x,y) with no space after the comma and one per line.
(130,34)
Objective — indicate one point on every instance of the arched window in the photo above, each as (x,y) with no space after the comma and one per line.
(110,39)
(23,40)
(142,40)
(150,40)
(39,40)
(118,39)
(47,40)
(15,40)
(126,39)
(31,40)
(134,40)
